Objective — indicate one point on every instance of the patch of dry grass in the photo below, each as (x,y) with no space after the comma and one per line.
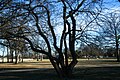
(100,69)
(97,63)
(28,64)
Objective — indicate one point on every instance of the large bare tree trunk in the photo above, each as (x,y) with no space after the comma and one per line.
(16,57)
(11,55)
(117,46)
(117,53)
(3,56)
(56,67)
(22,56)
(7,55)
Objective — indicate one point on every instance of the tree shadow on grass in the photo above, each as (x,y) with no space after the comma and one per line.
(40,74)
(97,73)
(93,73)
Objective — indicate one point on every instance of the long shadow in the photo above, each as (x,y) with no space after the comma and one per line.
(98,73)
(40,74)
(91,73)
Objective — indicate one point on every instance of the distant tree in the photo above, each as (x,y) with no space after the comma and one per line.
(110,30)
(92,50)
(110,52)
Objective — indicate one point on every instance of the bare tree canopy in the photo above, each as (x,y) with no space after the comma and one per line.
(50,27)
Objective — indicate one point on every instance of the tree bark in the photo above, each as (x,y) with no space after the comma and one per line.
(3,56)
(7,55)
(16,57)
(56,67)
(117,53)
(11,55)
(117,46)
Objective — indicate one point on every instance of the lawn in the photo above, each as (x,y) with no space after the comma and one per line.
(100,69)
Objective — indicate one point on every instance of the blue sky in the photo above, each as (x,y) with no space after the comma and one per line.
(111,3)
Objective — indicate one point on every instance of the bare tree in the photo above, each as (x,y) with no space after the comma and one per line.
(110,29)
(35,19)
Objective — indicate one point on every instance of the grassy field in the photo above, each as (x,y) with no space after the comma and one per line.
(93,69)
(28,64)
